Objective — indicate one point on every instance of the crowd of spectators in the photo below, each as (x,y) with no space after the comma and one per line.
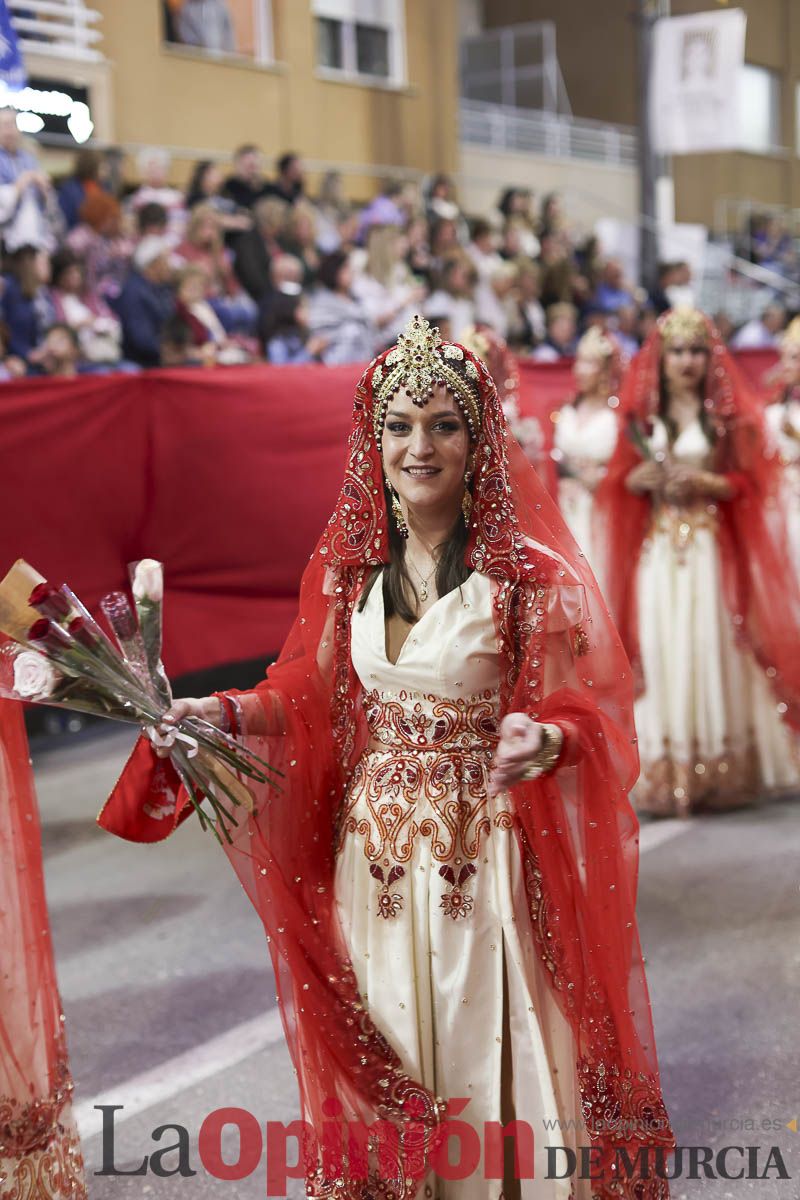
(242,267)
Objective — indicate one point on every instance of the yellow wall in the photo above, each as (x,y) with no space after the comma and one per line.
(178,98)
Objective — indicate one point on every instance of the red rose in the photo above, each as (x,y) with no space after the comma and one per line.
(49,601)
(39,630)
(80,631)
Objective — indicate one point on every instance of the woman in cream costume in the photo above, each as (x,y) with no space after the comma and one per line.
(699,581)
(783,420)
(447,879)
(585,437)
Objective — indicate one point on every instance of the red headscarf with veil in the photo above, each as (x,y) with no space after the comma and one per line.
(576,832)
(761,590)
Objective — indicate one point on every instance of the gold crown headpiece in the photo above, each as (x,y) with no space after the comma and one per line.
(419,362)
(684,323)
(791,334)
(596,344)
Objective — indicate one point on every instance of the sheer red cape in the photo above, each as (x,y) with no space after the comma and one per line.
(35,1083)
(563,662)
(761,590)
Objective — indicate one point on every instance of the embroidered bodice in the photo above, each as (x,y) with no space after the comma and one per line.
(591,438)
(691,447)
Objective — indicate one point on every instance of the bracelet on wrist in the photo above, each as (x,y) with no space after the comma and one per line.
(548,754)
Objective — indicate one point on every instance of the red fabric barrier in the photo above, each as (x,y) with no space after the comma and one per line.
(227,476)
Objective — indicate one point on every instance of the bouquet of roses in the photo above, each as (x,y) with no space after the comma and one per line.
(59,655)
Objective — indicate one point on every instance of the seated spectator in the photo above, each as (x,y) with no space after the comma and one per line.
(444,241)
(29,213)
(518,240)
(204,246)
(383,210)
(613,291)
(418,254)
(178,347)
(58,354)
(551,217)
(255,249)
(496,297)
(679,290)
(761,333)
(287,340)
(290,183)
(154,164)
(482,249)
(11,367)
(99,241)
(773,248)
(386,288)
(331,207)
(76,189)
(146,301)
(558,269)
(152,220)
(452,300)
(27,307)
(208,333)
(441,204)
(286,279)
(527,325)
(300,238)
(624,326)
(98,330)
(206,188)
(247,185)
(334,314)
(562,328)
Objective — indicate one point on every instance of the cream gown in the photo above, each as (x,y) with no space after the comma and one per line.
(709,730)
(783,421)
(430,891)
(590,440)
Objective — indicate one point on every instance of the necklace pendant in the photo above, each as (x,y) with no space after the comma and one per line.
(423,592)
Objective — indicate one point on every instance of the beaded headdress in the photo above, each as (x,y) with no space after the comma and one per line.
(791,334)
(419,362)
(596,344)
(684,323)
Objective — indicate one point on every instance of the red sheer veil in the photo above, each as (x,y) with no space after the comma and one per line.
(577,834)
(762,592)
(37,1135)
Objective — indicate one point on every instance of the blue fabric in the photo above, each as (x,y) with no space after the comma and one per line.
(27,319)
(12,68)
(143,308)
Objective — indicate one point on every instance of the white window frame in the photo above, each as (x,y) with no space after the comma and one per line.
(263,32)
(386,14)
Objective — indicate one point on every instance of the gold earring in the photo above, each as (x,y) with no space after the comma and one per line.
(466,502)
(397,513)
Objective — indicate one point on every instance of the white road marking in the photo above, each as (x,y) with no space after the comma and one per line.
(179,1073)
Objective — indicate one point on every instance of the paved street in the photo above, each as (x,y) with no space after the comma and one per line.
(171,1012)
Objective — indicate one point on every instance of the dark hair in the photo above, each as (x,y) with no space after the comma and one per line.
(285,161)
(150,215)
(87,165)
(329,268)
(704,418)
(176,334)
(480,228)
(398,586)
(61,326)
(279,316)
(194,192)
(62,260)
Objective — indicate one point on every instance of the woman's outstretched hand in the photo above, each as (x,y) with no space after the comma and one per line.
(207,709)
(520,742)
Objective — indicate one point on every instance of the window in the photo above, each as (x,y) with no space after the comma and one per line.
(361,38)
(759,109)
(220,27)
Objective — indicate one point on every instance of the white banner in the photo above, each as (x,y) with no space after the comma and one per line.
(694,82)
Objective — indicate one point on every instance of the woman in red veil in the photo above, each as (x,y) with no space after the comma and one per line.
(699,576)
(448,878)
(40,1156)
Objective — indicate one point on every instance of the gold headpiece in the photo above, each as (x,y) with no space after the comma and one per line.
(419,362)
(596,344)
(684,323)
(791,334)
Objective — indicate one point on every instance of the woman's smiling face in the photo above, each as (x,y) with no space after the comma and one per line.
(425,452)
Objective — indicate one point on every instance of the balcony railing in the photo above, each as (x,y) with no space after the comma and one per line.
(527,131)
(62,29)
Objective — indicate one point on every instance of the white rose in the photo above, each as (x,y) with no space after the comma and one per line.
(148,580)
(34,677)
